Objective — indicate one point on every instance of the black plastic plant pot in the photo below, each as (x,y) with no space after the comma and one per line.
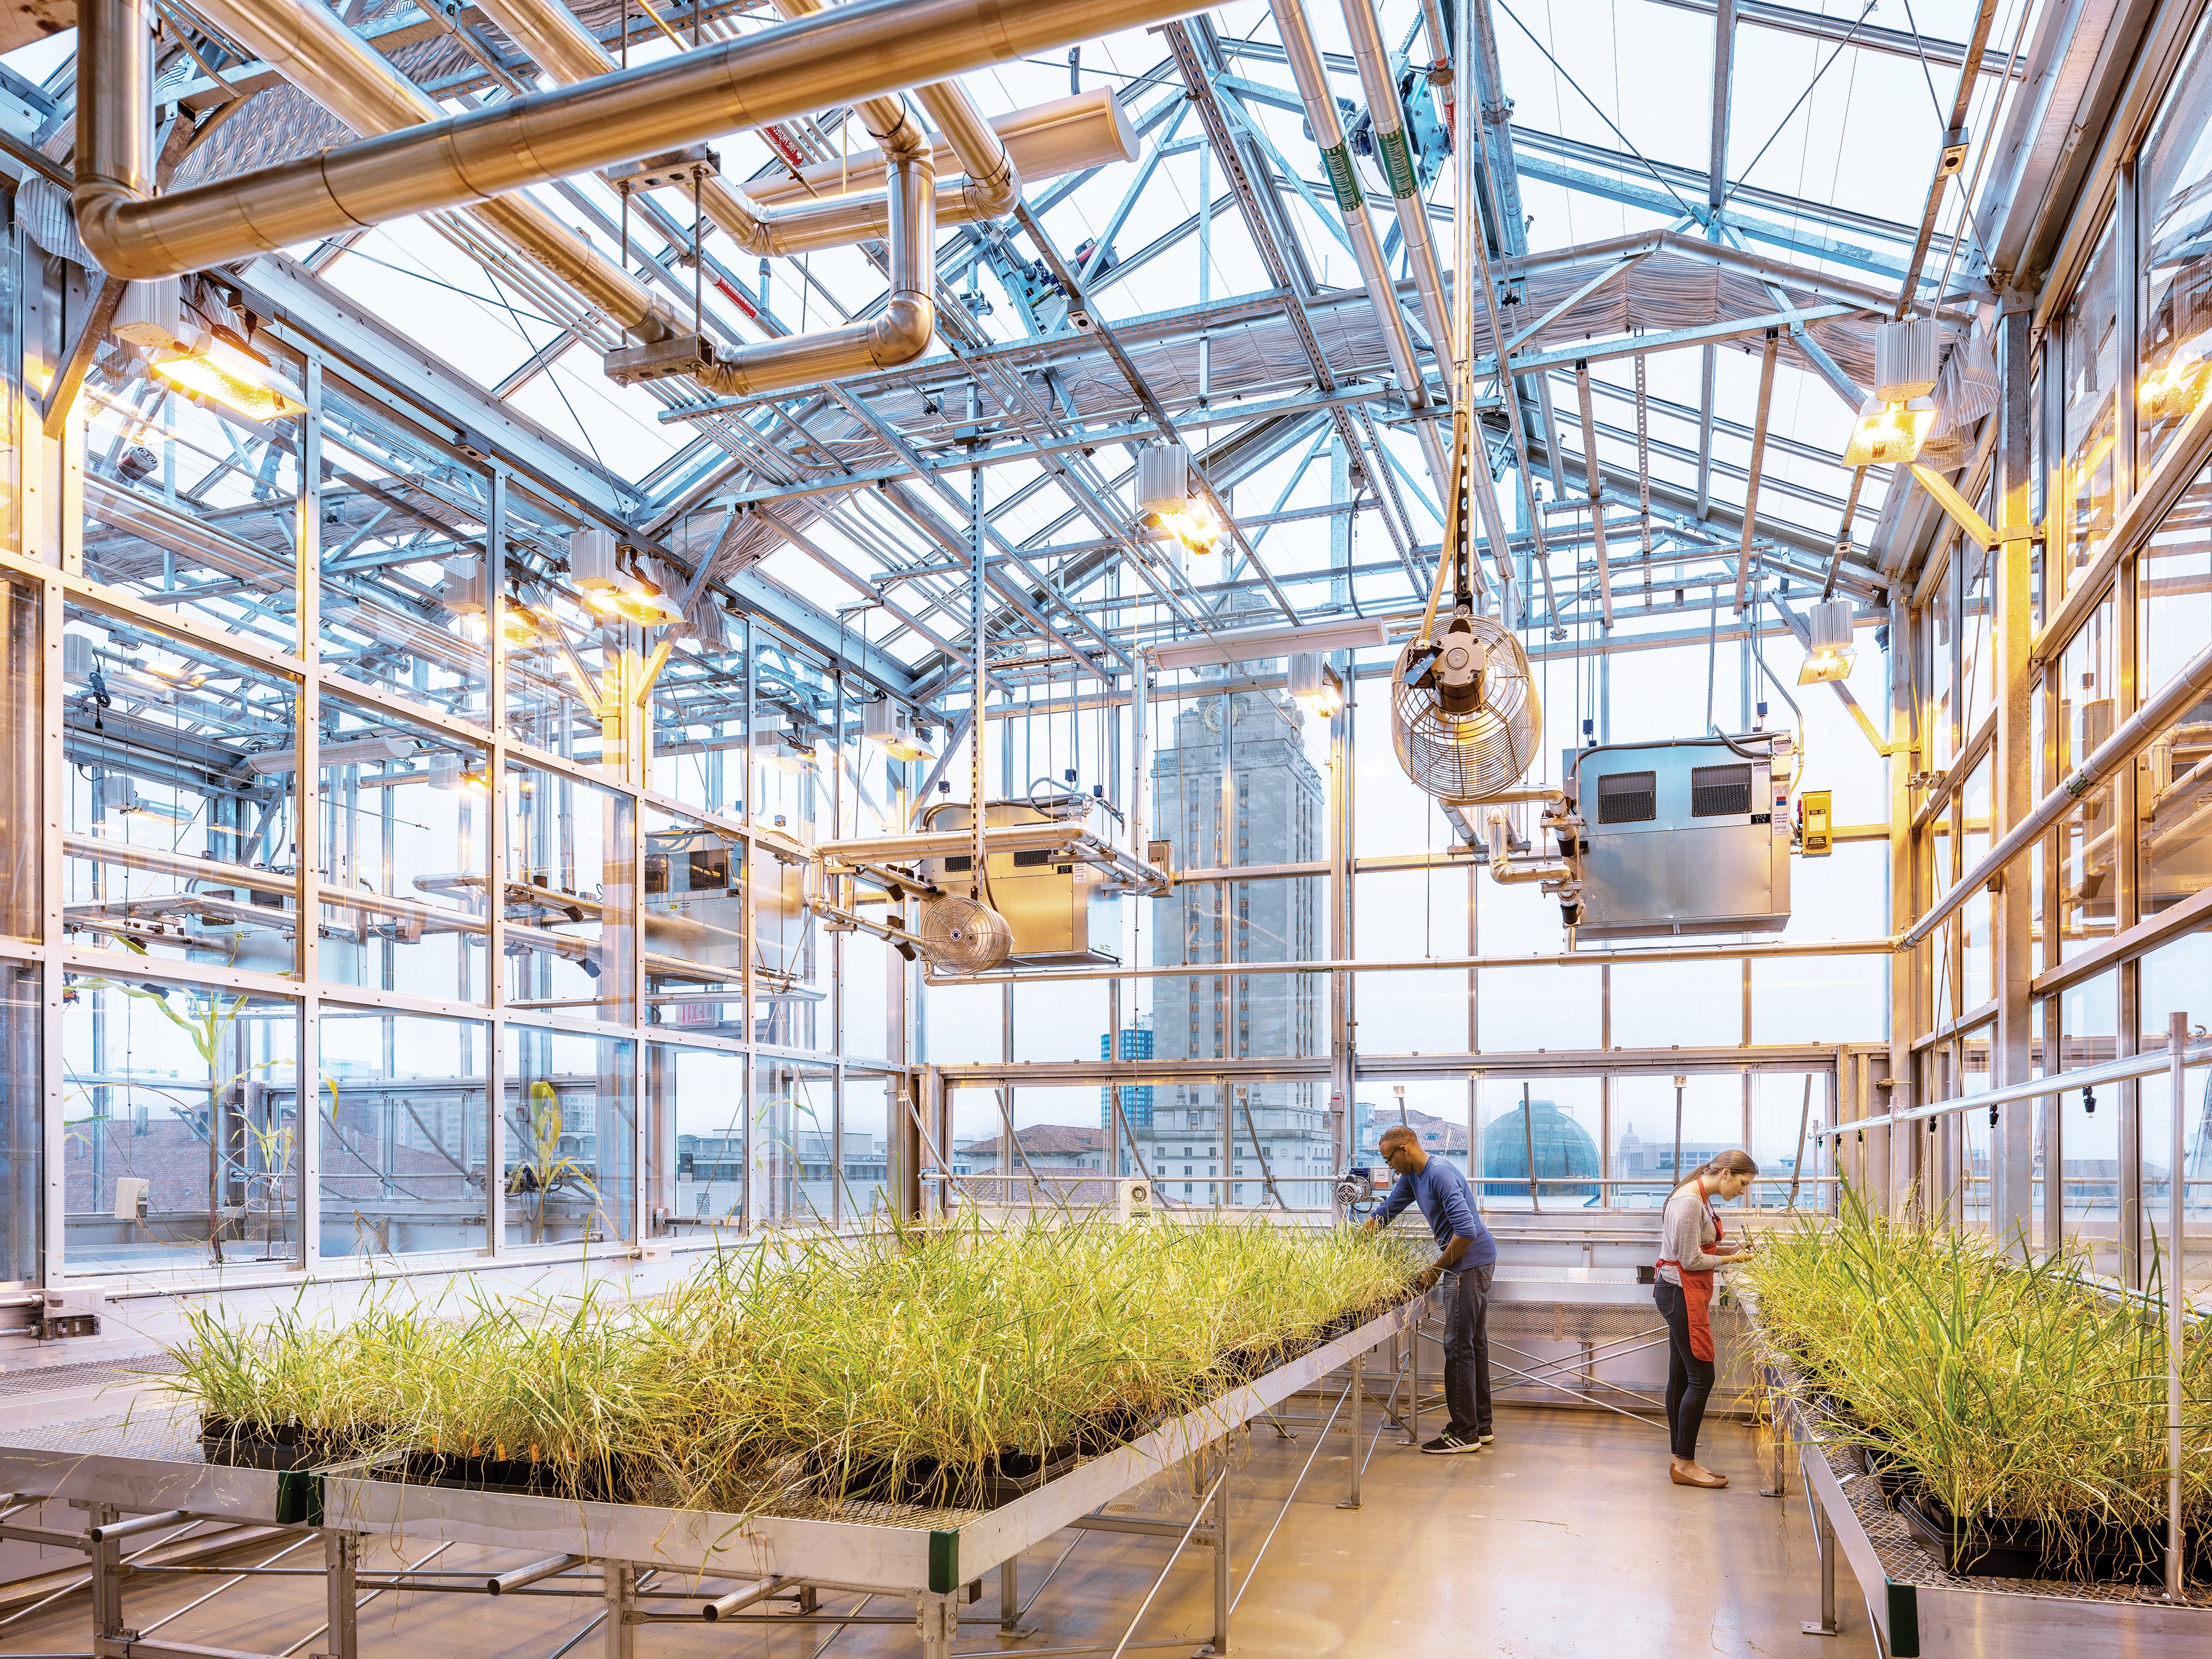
(251,1446)
(625,1482)
(2087,1551)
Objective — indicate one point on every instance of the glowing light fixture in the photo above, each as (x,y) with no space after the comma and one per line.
(1890,433)
(884,723)
(1830,654)
(610,590)
(232,376)
(1313,684)
(1164,495)
(1192,524)
(164,679)
(2176,386)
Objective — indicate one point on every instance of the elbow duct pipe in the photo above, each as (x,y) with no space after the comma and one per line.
(1381,89)
(868,49)
(1305,56)
(549,31)
(899,335)
(992,184)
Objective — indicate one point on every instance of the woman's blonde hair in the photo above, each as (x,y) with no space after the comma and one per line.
(1735,1161)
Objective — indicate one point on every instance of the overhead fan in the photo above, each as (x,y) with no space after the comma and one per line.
(1464,713)
(964,935)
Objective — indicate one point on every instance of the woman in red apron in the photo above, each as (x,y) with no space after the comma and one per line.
(1690,1247)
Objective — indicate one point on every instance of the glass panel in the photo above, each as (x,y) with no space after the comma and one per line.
(1974,972)
(177,832)
(865,1191)
(570,1128)
(1558,1120)
(405,837)
(22,1122)
(2174,784)
(569,896)
(695,930)
(405,598)
(2089,710)
(789,1142)
(1935,667)
(21,697)
(1519,1010)
(1704,1113)
(1787,1108)
(701,1097)
(1677,1005)
(2172,171)
(403,1104)
(180,1113)
(2089,339)
(189,508)
(2177,978)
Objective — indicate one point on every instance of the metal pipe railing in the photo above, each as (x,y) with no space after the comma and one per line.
(2085,1077)
(2163,707)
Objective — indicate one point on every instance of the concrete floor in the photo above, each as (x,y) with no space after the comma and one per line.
(1565,1540)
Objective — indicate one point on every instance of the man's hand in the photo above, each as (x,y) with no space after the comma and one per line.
(1368,1226)
(1428,1278)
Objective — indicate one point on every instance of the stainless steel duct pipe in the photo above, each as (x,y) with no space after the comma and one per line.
(1389,124)
(868,49)
(1066,135)
(992,185)
(1305,56)
(317,54)
(549,31)
(898,335)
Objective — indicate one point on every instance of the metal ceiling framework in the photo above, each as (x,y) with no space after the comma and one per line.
(766,500)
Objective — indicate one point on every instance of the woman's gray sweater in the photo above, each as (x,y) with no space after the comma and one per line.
(1684,1231)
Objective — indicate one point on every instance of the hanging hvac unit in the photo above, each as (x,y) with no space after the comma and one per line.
(1464,713)
(1683,838)
(1058,909)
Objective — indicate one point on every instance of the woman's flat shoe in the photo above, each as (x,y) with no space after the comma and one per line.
(1709,1480)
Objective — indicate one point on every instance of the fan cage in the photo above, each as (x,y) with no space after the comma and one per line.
(1474,756)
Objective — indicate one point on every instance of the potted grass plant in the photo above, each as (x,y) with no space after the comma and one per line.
(2012,1407)
(959,1366)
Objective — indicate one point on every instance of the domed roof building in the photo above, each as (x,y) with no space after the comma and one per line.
(1563,1150)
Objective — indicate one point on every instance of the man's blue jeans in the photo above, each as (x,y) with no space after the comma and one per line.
(1467,1352)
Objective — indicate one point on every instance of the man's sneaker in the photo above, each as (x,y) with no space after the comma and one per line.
(1448,1445)
(1485,1437)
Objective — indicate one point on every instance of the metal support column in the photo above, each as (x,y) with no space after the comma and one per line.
(937,1617)
(1359,1389)
(341,1571)
(1223,1602)
(621,1580)
(106,1577)
(1823,1538)
(1010,1593)
(2013,1152)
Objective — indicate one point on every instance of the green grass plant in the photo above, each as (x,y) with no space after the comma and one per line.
(2020,1391)
(902,1360)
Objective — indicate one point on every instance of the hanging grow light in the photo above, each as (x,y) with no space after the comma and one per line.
(1830,654)
(1164,495)
(1313,684)
(238,378)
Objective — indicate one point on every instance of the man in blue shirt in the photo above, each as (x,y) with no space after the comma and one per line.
(1469,1258)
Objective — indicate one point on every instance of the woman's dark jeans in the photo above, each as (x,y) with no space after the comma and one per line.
(1689,1379)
